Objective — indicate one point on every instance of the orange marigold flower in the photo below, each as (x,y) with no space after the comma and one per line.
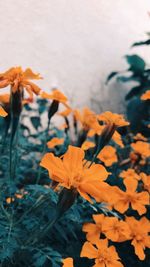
(3,113)
(146,95)
(68,262)
(113,118)
(139,137)
(129,173)
(108,155)
(88,120)
(55,142)
(146,181)
(56,95)
(87,145)
(139,234)
(94,230)
(122,200)
(141,148)
(117,139)
(19,79)
(104,256)
(115,229)
(71,173)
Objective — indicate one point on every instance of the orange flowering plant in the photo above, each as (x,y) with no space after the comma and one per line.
(74,184)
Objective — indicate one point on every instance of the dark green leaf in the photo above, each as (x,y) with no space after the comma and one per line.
(36,122)
(134,92)
(111,75)
(137,64)
(147,42)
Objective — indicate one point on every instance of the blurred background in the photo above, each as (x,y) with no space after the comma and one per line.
(74,44)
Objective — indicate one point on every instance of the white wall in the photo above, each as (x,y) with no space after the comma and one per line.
(74,44)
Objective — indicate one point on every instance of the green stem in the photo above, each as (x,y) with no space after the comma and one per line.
(37,204)
(44,151)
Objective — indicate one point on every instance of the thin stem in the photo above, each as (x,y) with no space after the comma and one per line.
(11,138)
(43,152)
(37,204)
(97,152)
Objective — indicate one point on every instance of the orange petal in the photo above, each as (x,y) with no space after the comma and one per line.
(29,74)
(55,167)
(3,113)
(55,142)
(131,185)
(96,172)
(121,206)
(68,262)
(139,249)
(72,160)
(89,251)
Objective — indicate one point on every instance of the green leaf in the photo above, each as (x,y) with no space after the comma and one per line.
(147,42)
(134,92)
(36,122)
(111,75)
(127,79)
(137,64)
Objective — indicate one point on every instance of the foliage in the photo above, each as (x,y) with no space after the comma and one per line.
(61,183)
(138,73)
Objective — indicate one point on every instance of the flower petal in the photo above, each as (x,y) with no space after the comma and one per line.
(89,251)
(3,113)
(96,172)
(68,262)
(55,167)
(72,160)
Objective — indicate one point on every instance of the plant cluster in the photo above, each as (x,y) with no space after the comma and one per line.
(76,194)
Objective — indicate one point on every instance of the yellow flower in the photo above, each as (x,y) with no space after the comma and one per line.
(71,173)
(19,79)
(113,118)
(146,95)
(108,155)
(139,231)
(55,142)
(104,256)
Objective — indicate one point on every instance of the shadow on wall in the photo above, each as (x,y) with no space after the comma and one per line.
(110,97)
